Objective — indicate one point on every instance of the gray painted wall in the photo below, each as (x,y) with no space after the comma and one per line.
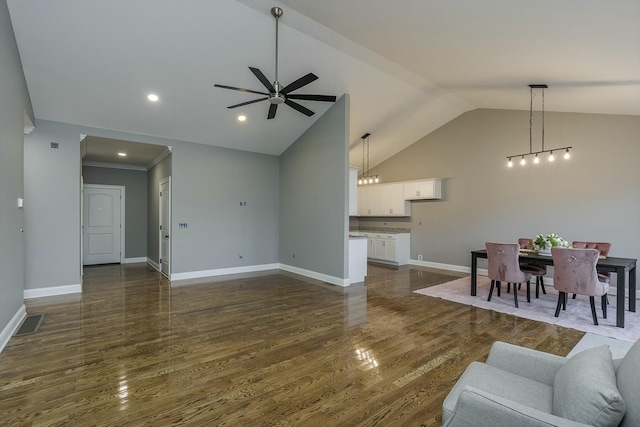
(154,175)
(208,184)
(595,196)
(135,183)
(314,176)
(14,103)
(52,206)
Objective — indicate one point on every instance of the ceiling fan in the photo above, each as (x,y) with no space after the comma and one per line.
(277,94)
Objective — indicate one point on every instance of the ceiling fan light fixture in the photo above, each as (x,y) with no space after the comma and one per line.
(277,99)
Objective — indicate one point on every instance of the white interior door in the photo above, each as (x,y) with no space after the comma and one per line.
(165,227)
(102,208)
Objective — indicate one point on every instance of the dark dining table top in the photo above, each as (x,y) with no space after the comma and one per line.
(611,262)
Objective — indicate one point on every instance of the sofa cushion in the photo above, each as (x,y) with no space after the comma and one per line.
(629,385)
(585,389)
(502,384)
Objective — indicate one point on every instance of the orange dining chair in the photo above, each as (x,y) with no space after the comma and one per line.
(574,271)
(502,259)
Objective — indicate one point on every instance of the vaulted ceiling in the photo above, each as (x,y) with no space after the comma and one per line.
(409,66)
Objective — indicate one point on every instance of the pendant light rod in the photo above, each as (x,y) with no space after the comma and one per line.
(365,178)
(522,156)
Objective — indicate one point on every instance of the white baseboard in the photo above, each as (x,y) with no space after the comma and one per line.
(315,275)
(256,268)
(450,267)
(223,271)
(135,260)
(52,291)
(153,264)
(12,326)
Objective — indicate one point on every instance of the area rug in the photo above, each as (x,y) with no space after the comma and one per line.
(576,316)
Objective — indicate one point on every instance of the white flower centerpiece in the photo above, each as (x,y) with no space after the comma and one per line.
(544,242)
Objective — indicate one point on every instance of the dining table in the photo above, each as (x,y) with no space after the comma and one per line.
(623,267)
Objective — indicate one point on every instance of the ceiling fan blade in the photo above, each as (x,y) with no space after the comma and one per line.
(272,111)
(241,89)
(302,81)
(325,98)
(248,102)
(296,106)
(256,72)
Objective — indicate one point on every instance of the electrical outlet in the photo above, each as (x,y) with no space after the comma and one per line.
(420,257)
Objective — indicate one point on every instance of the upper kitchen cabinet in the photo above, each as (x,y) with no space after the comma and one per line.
(382,200)
(423,189)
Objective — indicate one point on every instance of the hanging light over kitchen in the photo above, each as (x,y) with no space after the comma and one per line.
(366,178)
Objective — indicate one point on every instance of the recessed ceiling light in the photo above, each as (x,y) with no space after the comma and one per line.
(242,118)
(122,154)
(152,97)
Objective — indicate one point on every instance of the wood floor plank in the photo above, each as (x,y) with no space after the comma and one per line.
(257,349)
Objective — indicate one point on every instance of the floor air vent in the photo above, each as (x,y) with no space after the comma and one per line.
(30,324)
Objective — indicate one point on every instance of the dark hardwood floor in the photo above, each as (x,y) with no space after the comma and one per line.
(264,349)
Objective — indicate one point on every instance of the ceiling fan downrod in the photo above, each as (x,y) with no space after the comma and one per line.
(277,98)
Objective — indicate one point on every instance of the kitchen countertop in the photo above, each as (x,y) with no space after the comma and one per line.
(387,230)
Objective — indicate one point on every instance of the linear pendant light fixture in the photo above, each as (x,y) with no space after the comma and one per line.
(365,178)
(536,160)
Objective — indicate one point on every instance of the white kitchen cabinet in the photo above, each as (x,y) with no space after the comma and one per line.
(353,191)
(357,259)
(423,189)
(388,248)
(382,200)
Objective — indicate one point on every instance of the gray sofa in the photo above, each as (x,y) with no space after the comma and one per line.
(518,386)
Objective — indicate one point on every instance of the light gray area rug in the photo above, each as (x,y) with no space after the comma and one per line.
(618,347)
(576,316)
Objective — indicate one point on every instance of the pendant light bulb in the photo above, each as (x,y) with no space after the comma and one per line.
(567,155)
(360,181)
(370,180)
(510,163)
(551,158)
(536,160)
(377,180)
(523,161)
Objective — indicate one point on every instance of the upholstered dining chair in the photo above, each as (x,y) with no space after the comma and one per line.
(603,248)
(536,270)
(504,266)
(574,271)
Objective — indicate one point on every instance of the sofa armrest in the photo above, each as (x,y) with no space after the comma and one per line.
(479,408)
(533,364)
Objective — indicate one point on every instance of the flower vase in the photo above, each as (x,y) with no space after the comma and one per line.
(545,251)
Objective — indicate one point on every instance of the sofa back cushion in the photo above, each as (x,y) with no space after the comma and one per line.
(585,389)
(629,385)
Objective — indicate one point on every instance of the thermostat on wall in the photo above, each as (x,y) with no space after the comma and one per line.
(20,202)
